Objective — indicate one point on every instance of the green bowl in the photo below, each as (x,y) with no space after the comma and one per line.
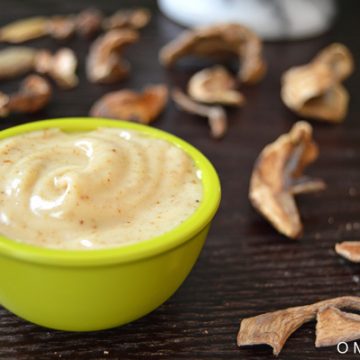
(85,290)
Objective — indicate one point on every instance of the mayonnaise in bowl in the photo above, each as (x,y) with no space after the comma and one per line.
(98,189)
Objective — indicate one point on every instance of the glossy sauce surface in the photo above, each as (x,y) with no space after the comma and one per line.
(96,189)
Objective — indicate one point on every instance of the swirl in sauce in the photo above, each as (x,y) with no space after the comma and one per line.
(97,189)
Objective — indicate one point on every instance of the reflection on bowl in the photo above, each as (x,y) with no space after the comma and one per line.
(82,290)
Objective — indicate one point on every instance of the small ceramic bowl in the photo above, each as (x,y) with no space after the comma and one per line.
(85,290)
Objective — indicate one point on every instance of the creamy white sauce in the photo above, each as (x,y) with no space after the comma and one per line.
(97,189)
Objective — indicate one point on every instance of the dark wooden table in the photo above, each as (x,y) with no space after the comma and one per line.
(246,268)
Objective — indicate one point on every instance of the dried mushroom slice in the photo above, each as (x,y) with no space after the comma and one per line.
(277,177)
(4,102)
(338,58)
(58,27)
(16,61)
(334,326)
(220,39)
(132,18)
(23,30)
(350,250)
(274,328)
(305,82)
(61,27)
(60,66)
(19,60)
(314,90)
(89,22)
(331,106)
(129,105)
(215,85)
(34,94)
(105,63)
(215,114)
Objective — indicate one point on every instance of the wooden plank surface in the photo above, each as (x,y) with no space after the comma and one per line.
(246,268)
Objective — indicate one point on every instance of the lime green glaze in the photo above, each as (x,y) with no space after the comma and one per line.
(84,290)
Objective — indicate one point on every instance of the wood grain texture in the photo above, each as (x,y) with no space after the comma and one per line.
(246,268)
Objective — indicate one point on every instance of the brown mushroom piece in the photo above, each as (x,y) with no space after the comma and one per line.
(23,30)
(60,66)
(315,90)
(105,63)
(275,328)
(34,94)
(215,85)
(4,102)
(338,58)
(61,27)
(58,27)
(277,177)
(89,22)
(16,61)
(129,105)
(220,39)
(132,18)
(350,250)
(334,326)
(215,114)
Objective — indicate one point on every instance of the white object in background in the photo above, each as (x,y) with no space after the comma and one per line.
(271,19)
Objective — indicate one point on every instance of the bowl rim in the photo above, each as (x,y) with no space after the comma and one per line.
(124,253)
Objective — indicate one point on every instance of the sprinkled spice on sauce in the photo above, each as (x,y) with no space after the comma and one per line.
(98,189)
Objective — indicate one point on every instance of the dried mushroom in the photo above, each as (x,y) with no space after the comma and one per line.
(89,22)
(105,63)
(129,105)
(61,27)
(215,114)
(220,39)
(334,326)
(16,61)
(331,107)
(4,101)
(338,58)
(274,328)
(60,66)
(23,30)
(277,177)
(349,250)
(19,60)
(314,90)
(215,85)
(133,19)
(34,94)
